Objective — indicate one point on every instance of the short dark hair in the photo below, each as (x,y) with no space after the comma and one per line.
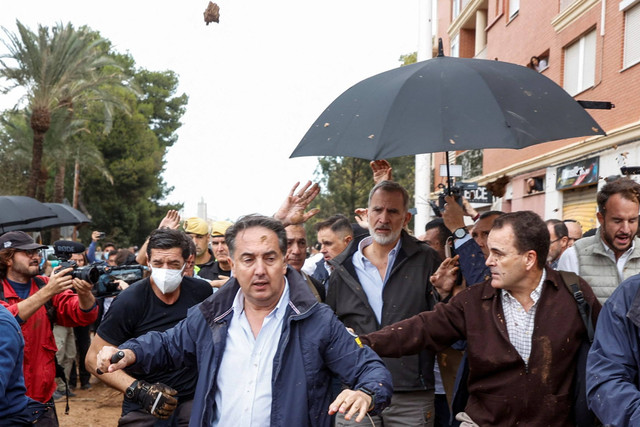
(627,188)
(337,223)
(487,214)
(6,255)
(192,247)
(530,233)
(443,232)
(107,244)
(166,238)
(390,187)
(254,220)
(559,228)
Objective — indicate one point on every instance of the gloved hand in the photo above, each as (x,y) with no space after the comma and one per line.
(157,399)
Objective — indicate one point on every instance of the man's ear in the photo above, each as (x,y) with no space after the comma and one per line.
(348,238)
(531,259)
(600,218)
(407,218)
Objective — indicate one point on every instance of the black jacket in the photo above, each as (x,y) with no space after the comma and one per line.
(407,292)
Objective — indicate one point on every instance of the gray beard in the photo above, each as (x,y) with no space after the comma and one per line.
(385,240)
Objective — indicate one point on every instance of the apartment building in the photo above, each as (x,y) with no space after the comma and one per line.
(589,47)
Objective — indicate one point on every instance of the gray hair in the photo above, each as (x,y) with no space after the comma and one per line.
(391,187)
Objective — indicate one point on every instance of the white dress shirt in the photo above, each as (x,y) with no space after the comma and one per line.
(243,385)
(369,276)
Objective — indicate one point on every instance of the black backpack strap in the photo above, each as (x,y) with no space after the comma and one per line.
(52,313)
(571,281)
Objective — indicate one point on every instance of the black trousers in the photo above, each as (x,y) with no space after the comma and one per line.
(83,342)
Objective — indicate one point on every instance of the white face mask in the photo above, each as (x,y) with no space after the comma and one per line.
(166,279)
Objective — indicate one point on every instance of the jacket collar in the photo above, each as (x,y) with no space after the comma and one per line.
(218,306)
(552,279)
(409,246)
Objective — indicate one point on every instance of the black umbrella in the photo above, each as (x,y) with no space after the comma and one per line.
(65,215)
(446,104)
(21,210)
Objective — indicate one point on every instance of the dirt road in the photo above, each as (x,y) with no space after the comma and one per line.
(97,407)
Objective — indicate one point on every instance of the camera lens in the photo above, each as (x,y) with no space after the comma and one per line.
(88,273)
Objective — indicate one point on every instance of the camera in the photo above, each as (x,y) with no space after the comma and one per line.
(63,250)
(107,284)
(457,191)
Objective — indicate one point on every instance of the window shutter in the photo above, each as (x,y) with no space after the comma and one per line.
(632,36)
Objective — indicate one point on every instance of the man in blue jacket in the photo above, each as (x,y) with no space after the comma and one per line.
(264,348)
(613,365)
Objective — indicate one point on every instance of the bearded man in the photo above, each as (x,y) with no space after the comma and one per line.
(382,279)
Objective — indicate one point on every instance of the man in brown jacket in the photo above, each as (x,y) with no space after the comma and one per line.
(523,330)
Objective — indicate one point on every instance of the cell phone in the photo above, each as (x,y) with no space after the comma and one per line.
(102,235)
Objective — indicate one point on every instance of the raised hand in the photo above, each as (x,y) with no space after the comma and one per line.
(292,209)
(381,171)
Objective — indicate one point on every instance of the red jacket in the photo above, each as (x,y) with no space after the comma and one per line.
(39,343)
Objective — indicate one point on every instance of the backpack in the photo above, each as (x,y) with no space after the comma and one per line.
(583,416)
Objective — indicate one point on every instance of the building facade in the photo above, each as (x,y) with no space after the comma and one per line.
(592,49)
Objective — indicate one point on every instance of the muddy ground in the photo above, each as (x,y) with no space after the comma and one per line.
(97,407)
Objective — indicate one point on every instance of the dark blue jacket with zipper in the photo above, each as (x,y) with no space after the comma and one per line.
(313,345)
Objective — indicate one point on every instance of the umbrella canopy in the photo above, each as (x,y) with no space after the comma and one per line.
(21,210)
(446,104)
(65,215)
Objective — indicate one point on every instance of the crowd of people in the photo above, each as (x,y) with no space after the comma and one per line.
(486,319)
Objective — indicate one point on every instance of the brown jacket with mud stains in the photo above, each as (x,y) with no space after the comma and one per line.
(503,391)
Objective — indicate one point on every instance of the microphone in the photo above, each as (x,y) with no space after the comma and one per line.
(67,247)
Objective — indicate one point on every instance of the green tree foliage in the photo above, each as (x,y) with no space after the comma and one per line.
(120,171)
(58,69)
(410,58)
(134,153)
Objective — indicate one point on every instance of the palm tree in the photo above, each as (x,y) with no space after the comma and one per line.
(58,69)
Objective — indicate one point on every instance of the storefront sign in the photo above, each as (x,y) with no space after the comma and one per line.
(578,174)
(478,195)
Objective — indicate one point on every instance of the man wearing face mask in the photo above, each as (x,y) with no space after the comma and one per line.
(156,303)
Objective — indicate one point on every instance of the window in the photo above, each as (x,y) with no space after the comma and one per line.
(455,9)
(580,64)
(455,46)
(514,7)
(632,36)
(564,4)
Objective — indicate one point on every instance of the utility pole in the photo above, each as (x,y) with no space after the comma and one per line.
(423,161)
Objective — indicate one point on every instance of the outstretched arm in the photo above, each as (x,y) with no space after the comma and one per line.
(292,209)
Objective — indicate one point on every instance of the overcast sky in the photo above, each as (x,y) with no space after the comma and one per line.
(256,81)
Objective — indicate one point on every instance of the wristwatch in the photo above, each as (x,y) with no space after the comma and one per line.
(460,233)
(365,390)
(131,391)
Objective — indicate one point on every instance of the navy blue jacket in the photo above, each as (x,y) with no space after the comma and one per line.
(613,365)
(313,345)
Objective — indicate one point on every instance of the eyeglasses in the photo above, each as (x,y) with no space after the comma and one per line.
(31,252)
(553,241)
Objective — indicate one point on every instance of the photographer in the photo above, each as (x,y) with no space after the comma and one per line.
(156,303)
(35,301)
